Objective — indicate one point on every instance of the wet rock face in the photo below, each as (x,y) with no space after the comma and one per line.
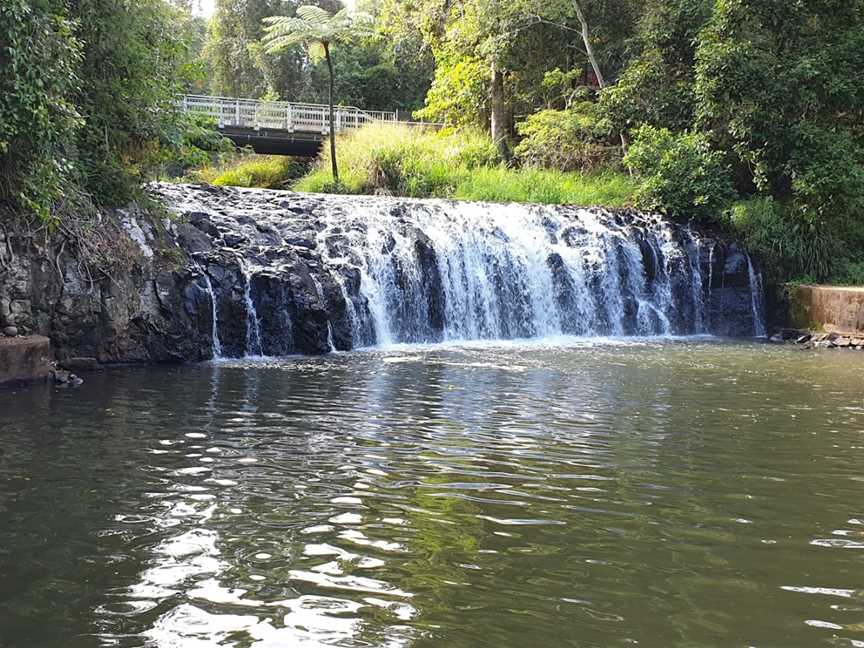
(237,272)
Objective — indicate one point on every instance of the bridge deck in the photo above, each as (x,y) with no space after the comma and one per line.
(279,127)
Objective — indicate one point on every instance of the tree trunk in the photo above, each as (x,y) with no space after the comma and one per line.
(586,40)
(498,108)
(589,50)
(333,163)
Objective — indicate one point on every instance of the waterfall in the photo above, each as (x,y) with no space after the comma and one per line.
(710,281)
(509,271)
(341,272)
(757,298)
(253,325)
(216,346)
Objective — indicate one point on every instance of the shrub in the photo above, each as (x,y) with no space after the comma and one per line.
(680,174)
(567,140)
(849,273)
(39,57)
(787,244)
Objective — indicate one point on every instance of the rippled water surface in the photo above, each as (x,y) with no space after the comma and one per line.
(666,494)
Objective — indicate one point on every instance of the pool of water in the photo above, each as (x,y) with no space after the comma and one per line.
(679,493)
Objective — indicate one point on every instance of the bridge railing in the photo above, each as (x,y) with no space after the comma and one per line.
(280,115)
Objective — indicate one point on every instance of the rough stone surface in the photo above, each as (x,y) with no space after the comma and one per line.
(306,287)
(25,359)
(80,364)
(828,308)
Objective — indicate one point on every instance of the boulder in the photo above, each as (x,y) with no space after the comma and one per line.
(80,364)
(25,359)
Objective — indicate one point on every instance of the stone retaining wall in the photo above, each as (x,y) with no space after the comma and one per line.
(828,309)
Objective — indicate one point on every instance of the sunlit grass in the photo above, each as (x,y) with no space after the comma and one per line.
(463,165)
(264,171)
(543,186)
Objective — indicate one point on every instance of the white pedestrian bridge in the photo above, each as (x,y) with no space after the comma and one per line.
(280,127)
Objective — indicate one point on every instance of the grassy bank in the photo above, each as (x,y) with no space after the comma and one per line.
(248,170)
(464,165)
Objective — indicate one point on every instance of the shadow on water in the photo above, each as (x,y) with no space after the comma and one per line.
(665,493)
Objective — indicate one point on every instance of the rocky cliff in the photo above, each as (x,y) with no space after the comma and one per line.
(251,272)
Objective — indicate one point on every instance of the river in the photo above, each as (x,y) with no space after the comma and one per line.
(554,493)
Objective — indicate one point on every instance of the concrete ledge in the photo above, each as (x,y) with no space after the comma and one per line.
(827,308)
(25,359)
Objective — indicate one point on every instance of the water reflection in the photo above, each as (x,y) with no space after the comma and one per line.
(666,494)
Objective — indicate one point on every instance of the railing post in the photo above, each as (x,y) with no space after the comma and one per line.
(237,113)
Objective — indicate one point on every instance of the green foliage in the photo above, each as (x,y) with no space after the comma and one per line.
(87,93)
(787,244)
(848,273)
(650,92)
(39,57)
(263,171)
(131,74)
(680,174)
(461,164)
(404,160)
(500,184)
(194,141)
(381,71)
(314,28)
(458,94)
(574,139)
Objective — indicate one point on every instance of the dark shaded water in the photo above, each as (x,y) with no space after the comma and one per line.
(665,494)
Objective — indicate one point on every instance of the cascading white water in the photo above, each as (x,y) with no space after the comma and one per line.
(319,273)
(710,282)
(510,271)
(214,312)
(757,299)
(253,325)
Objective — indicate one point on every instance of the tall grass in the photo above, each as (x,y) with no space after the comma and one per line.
(246,170)
(464,165)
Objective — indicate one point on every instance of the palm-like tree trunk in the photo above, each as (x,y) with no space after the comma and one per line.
(334,166)
(498,106)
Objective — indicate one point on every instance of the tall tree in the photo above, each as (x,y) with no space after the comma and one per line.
(317,30)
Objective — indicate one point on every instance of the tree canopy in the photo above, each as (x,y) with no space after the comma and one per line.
(747,114)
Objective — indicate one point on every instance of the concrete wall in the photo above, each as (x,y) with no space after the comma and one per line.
(827,308)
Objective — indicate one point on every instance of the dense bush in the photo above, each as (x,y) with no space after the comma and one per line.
(39,57)
(87,93)
(680,175)
(787,244)
(576,138)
